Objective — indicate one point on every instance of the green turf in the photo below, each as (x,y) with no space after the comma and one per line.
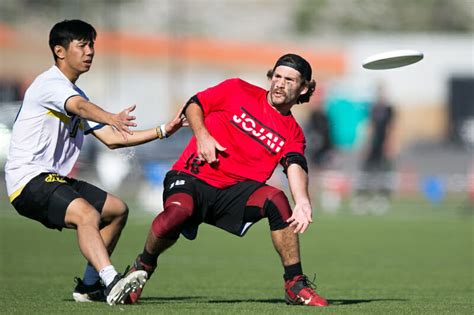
(417,259)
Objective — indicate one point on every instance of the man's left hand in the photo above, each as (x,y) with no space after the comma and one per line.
(301,217)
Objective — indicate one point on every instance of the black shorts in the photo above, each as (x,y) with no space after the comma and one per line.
(223,208)
(46,197)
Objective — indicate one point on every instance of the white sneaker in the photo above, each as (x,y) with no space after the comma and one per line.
(118,290)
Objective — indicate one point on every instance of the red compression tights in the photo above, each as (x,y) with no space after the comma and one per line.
(178,208)
(272,203)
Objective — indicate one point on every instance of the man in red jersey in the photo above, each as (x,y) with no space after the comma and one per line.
(241,133)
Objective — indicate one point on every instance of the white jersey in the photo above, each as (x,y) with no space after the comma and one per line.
(45,138)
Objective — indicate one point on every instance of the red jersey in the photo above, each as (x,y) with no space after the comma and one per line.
(256,136)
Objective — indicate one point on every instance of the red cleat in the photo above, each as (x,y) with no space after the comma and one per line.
(300,291)
(133,296)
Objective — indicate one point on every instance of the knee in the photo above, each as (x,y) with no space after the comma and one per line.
(271,199)
(179,205)
(277,209)
(177,210)
(123,211)
(273,204)
(114,210)
(117,206)
(122,215)
(81,213)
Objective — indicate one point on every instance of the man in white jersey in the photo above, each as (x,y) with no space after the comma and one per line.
(47,137)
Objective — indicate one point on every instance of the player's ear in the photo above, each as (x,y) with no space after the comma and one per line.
(270,74)
(304,88)
(60,51)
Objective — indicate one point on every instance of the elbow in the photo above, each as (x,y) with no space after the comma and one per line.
(113,146)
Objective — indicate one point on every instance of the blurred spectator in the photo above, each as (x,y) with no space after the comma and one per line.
(379,156)
(318,138)
(10,90)
(376,179)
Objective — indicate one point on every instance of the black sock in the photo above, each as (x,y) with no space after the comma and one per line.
(292,271)
(149,259)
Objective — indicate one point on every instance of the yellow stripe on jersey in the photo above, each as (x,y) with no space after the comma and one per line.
(15,194)
(64,118)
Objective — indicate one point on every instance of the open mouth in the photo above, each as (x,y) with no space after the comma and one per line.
(278,94)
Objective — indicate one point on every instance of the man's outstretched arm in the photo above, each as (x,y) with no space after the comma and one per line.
(302,212)
(90,111)
(113,138)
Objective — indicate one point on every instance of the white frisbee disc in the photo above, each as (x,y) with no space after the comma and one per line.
(392,59)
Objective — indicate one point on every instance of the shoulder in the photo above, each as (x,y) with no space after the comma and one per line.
(246,85)
(51,77)
(52,73)
(232,82)
(243,85)
(295,127)
(42,77)
(230,85)
(39,83)
(233,87)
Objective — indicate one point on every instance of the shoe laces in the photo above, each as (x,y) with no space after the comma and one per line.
(140,265)
(117,279)
(137,264)
(309,285)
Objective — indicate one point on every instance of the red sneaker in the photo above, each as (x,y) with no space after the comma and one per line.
(133,296)
(300,291)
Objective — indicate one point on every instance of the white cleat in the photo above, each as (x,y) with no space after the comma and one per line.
(123,286)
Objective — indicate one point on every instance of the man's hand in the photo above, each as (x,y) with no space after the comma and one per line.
(123,120)
(301,217)
(208,148)
(177,122)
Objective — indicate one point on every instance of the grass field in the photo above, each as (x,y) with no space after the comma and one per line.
(417,259)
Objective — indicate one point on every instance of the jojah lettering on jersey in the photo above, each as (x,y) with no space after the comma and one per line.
(270,139)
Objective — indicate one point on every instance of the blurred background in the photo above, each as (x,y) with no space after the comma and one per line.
(374,137)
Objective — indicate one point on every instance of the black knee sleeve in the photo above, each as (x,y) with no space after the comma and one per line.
(275,219)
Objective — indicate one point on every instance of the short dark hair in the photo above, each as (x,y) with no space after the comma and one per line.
(63,33)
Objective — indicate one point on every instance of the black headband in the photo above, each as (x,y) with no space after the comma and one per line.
(296,62)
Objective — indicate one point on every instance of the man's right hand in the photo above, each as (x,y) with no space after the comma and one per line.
(208,148)
(123,120)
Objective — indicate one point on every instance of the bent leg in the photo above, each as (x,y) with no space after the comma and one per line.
(287,245)
(164,232)
(273,204)
(165,229)
(80,215)
(113,219)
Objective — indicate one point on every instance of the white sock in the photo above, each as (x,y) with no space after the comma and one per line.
(107,274)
